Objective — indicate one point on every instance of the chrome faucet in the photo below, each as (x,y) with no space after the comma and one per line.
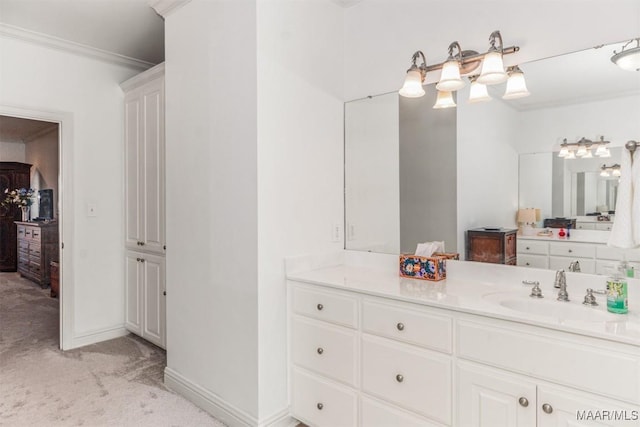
(561,283)
(574,266)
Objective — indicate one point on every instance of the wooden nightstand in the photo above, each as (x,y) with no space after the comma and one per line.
(497,246)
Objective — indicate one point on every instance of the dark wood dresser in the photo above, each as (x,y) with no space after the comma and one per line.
(12,175)
(496,246)
(37,248)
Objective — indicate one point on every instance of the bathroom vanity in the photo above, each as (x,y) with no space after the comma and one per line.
(369,348)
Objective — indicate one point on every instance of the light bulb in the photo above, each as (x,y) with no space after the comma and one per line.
(492,69)
(412,87)
(450,77)
(444,100)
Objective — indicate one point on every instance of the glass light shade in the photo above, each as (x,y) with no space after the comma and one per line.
(564,151)
(604,173)
(492,69)
(582,151)
(628,59)
(450,77)
(571,155)
(588,155)
(412,87)
(616,172)
(606,153)
(444,100)
(601,150)
(478,93)
(516,86)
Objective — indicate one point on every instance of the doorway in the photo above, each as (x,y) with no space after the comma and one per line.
(41,140)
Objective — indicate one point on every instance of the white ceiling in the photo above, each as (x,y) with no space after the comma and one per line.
(126,27)
(14,129)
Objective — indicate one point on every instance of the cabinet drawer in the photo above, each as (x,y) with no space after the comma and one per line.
(418,380)
(21,230)
(572,249)
(617,254)
(404,323)
(603,226)
(36,234)
(34,251)
(585,225)
(27,232)
(377,414)
(533,261)
(323,348)
(561,262)
(533,247)
(318,402)
(564,361)
(23,245)
(328,306)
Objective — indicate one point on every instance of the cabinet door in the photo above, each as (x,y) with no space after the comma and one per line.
(563,407)
(133,293)
(154,299)
(133,173)
(490,398)
(152,167)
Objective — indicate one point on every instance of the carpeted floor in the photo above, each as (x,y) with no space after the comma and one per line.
(114,383)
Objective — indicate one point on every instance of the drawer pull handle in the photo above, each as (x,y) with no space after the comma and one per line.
(400,326)
(320,406)
(399,378)
(528,248)
(320,350)
(523,401)
(547,408)
(527,263)
(319,307)
(570,251)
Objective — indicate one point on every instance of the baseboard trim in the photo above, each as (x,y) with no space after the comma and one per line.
(97,336)
(207,400)
(279,419)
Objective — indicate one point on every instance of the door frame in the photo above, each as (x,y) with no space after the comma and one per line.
(65,212)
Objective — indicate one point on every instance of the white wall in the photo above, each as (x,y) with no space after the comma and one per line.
(43,79)
(487,166)
(42,155)
(12,152)
(381,36)
(300,152)
(211,160)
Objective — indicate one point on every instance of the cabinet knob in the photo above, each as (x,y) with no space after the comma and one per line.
(547,408)
(141,259)
(400,326)
(320,307)
(570,251)
(399,378)
(320,350)
(523,401)
(526,263)
(527,248)
(138,259)
(320,406)
(141,243)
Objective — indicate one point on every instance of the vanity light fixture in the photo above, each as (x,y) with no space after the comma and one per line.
(516,86)
(628,59)
(462,64)
(610,170)
(583,149)
(450,79)
(477,91)
(444,100)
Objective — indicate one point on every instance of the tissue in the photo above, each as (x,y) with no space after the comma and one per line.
(427,249)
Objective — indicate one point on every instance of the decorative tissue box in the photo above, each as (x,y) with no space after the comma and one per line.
(425,268)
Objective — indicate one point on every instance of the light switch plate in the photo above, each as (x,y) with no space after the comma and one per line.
(336,233)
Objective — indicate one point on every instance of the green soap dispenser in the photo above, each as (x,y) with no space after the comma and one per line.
(617,297)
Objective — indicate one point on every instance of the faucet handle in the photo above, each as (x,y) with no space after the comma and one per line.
(536,292)
(590,299)
(531,282)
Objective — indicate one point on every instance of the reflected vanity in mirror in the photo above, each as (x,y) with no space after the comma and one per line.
(415,174)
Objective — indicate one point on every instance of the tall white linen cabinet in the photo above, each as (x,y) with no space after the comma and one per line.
(145,246)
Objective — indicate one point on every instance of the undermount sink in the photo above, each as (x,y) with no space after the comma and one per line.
(549,307)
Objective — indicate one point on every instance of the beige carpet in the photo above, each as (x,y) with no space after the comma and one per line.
(114,383)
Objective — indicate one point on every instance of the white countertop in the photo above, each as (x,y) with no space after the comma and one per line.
(470,289)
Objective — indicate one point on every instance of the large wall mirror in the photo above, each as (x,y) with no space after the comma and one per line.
(415,174)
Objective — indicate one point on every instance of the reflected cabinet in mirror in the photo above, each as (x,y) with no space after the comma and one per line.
(415,174)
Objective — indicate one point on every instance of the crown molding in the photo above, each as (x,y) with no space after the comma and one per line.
(166,7)
(72,47)
(144,77)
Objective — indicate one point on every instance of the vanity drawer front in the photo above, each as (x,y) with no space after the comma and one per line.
(586,225)
(533,247)
(603,226)
(533,261)
(377,414)
(319,402)
(419,380)
(559,360)
(617,254)
(404,323)
(559,262)
(572,249)
(323,348)
(328,306)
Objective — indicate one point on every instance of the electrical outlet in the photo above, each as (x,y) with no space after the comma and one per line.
(92,210)
(336,233)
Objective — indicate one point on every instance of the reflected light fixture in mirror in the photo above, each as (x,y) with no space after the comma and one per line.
(516,86)
(444,100)
(492,66)
(628,59)
(450,79)
(477,91)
